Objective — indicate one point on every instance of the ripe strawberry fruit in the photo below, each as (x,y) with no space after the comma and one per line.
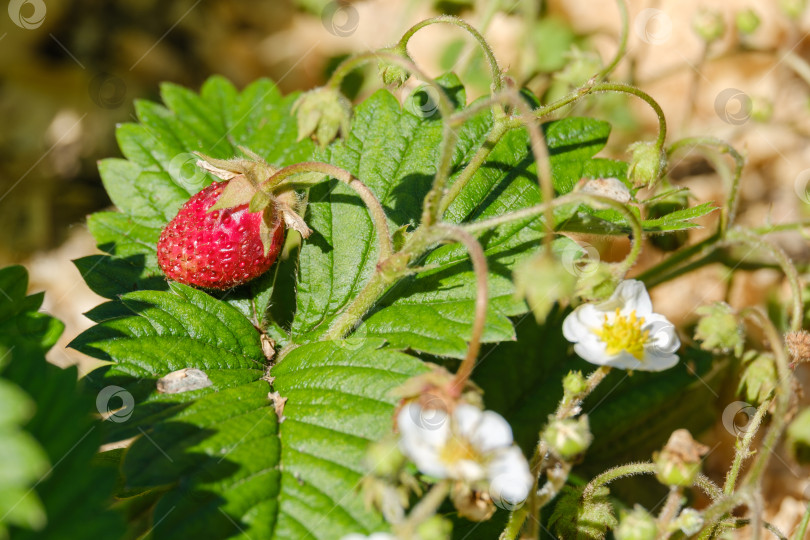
(219,249)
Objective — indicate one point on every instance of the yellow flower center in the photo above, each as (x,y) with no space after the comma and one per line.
(458,449)
(624,334)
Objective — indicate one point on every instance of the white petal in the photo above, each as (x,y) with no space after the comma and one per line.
(593,354)
(663,338)
(509,476)
(422,435)
(466,418)
(582,321)
(492,432)
(630,295)
(468,470)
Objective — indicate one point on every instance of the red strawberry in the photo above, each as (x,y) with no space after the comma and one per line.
(219,249)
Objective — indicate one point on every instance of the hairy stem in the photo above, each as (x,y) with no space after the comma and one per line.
(729,211)
(373,204)
(425,509)
(495,71)
(607,70)
(747,237)
(621,471)
(479,263)
(743,447)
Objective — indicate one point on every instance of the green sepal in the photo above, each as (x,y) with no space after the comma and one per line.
(238,191)
(259,201)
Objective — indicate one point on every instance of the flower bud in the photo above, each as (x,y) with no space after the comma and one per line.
(646,163)
(568,438)
(392,73)
(719,329)
(435,528)
(574,383)
(709,25)
(747,21)
(759,376)
(323,112)
(637,524)
(797,438)
(678,463)
(690,521)
(596,281)
(577,517)
(542,280)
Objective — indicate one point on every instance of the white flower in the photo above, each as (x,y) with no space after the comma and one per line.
(470,445)
(623,331)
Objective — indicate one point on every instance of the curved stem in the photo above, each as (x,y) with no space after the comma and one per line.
(730,210)
(708,486)
(375,209)
(751,239)
(743,447)
(495,71)
(740,523)
(479,263)
(607,70)
(669,511)
(425,509)
(445,106)
(802,528)
(622,471)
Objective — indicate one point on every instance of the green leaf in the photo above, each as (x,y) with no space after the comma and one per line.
(160,171)
(235,471)
(48,486)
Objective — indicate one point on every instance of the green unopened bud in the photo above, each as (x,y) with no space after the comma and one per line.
(793,8)
(637,524)
(761,108)
(384,458)
(435,528)
(747,21)
(798,437)
(719,329)
(678,463)
(647,163)
(574,383)
(579,68)
(596,281)
(709,25)
(543,280)
(758,377)
(690,521)
(323,113)
(392,73)
(575,516)
(568,438)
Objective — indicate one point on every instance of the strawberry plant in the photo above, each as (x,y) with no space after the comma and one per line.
(328,319)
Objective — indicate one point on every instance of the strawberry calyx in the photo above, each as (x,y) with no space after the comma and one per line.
(249,181)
